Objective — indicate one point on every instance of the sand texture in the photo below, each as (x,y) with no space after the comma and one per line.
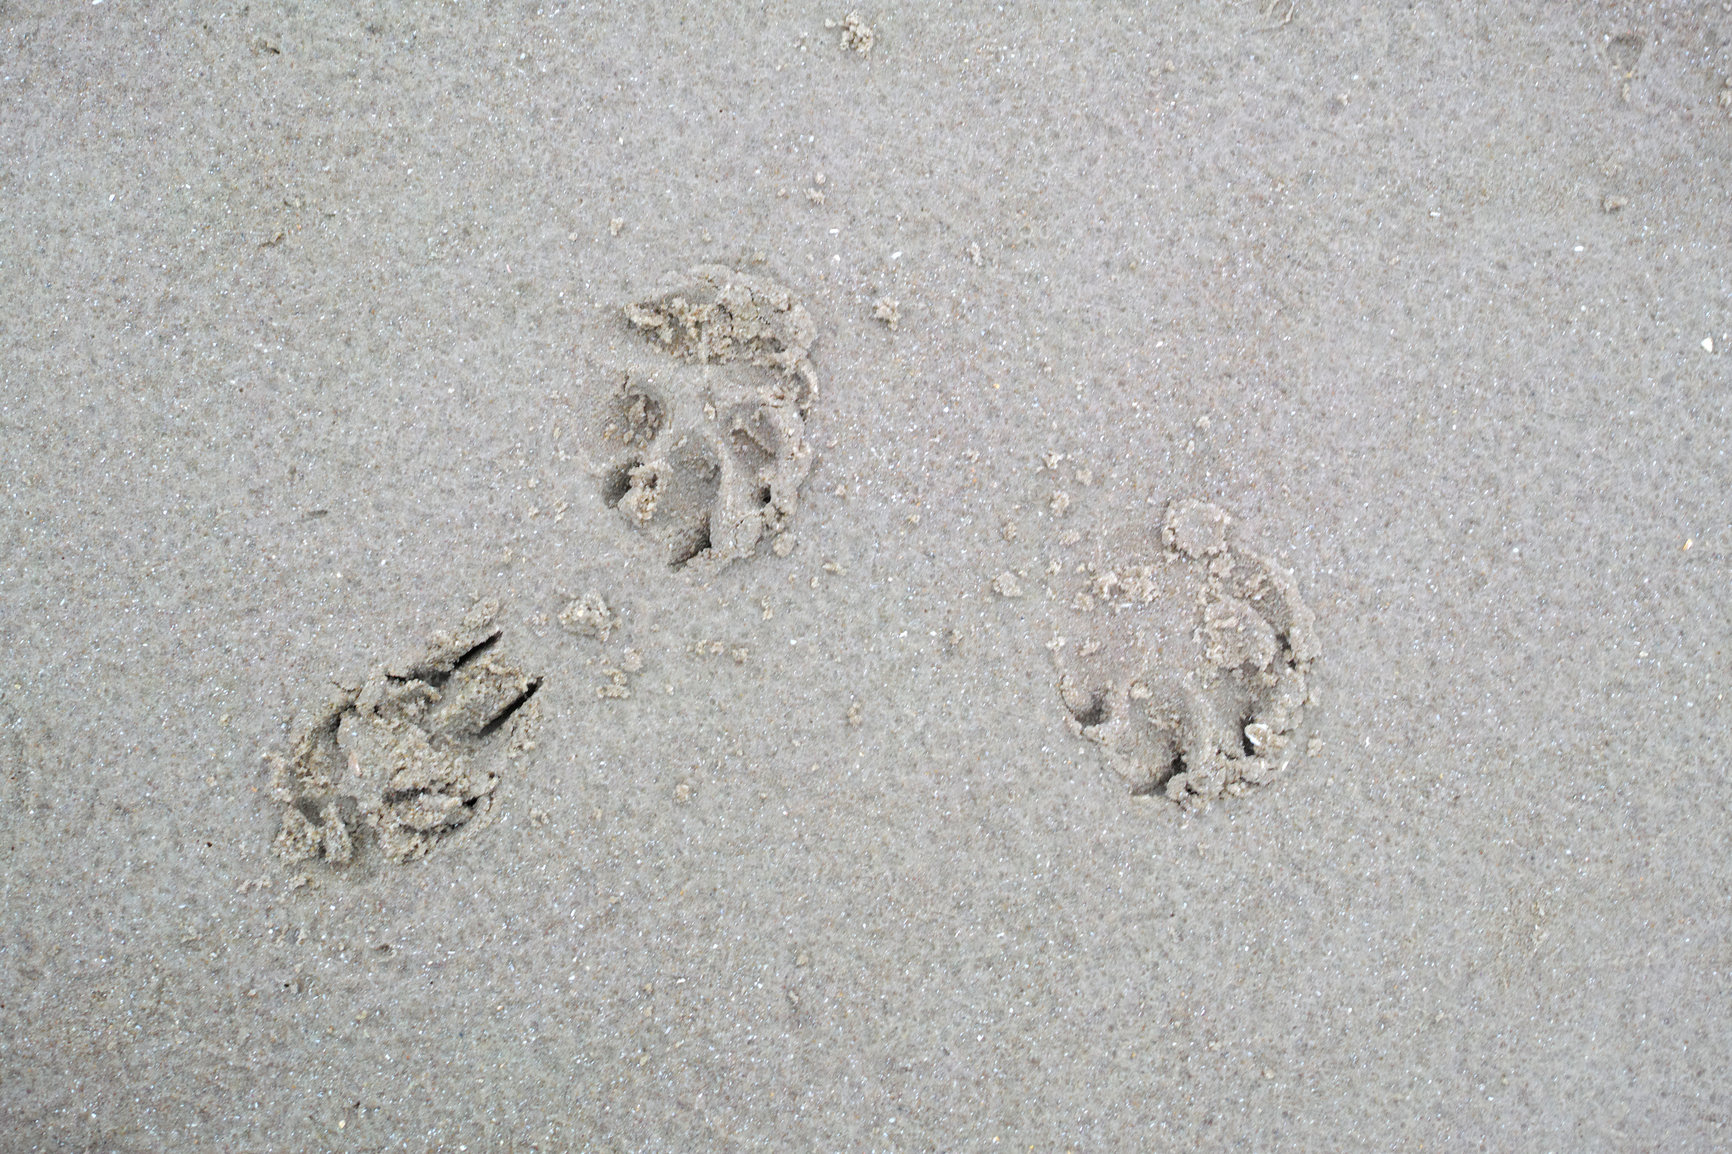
(675,578)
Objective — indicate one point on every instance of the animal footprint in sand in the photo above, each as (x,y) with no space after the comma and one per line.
(713,417)
(1194,712)
(413,754)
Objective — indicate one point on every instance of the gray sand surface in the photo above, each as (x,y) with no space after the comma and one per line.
(311,317)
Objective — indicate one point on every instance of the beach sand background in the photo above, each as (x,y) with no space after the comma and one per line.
(306,317)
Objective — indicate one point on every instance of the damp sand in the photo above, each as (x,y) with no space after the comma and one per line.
(318,332)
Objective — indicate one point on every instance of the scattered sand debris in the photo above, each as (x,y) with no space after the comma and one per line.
(617,676)
(617,687)
(739,653)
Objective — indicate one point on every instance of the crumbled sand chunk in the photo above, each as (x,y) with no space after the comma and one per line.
(856,33)
(587,616)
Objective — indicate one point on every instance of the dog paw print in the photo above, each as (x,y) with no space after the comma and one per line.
(713,420)
(413,755)
(1189,674)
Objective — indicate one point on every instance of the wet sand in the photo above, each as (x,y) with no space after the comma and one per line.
(313,334)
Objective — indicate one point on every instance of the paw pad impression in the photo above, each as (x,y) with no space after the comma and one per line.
(715,432)
(1227,722)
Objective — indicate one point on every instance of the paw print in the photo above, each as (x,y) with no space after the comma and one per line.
(412,754)
(713,427)
(1190,714)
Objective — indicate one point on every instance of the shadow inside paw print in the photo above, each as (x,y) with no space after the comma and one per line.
(712,418)
(413,754)
(1189,714)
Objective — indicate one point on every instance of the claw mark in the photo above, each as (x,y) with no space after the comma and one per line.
(399,754)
